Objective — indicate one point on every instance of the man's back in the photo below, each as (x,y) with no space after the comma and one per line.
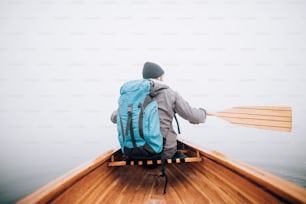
(169,102)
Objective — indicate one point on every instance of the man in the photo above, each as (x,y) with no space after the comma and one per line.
(169,102)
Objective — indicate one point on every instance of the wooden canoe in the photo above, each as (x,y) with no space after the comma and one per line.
(206,177)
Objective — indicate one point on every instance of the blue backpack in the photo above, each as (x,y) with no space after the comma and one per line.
(138,122)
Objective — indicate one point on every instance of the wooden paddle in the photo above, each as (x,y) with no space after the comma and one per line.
(264,117)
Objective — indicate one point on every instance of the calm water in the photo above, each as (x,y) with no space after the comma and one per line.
(62,64)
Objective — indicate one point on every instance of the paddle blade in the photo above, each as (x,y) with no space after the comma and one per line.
(264,117)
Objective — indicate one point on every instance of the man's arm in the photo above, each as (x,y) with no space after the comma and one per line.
(193,115)
(114,116)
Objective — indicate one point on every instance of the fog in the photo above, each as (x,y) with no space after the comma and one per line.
(62,64)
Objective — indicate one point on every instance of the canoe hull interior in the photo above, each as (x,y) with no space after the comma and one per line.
(215,179)
(187,183)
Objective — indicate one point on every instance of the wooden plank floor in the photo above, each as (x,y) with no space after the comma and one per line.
(204,182)
(212,179)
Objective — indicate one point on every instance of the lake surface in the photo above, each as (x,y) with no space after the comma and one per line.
(62,64)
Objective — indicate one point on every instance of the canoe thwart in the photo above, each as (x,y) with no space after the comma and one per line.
(191,157)
(154,162)
(216,179)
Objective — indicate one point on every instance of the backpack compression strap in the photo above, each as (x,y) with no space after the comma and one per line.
(147,100)
(122,129)
(129,125)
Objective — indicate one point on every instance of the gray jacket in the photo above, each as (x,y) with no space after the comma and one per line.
(170,102)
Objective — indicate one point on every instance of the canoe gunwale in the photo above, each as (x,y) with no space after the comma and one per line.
(51,190)
(278,187)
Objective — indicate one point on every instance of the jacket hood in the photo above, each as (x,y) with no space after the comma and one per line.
(159,85)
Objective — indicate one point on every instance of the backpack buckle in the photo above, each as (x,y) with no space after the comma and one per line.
(130,108)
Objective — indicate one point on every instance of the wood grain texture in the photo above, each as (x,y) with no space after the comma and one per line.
(151,162)
(264,117)
(215,179)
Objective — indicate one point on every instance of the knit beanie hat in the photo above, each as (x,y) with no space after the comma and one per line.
(151,70)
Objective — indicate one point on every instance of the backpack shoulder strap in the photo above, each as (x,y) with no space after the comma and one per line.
(177,123)
(147,100)
(153,94)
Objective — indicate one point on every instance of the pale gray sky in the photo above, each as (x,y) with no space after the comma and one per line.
(62,63)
